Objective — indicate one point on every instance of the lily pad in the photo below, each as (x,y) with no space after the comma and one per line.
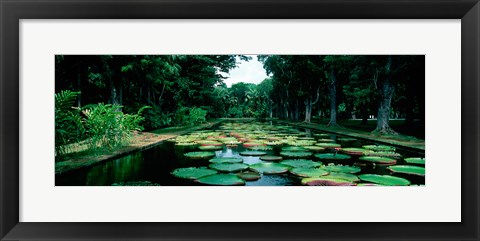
(298,154)
(415,160)
(340,168)
(332,156)
(314,148)
(329,145)
(326,181)
(210,148)
(378,160)
(293,148)
(301,163)
(354,151)
(321,135)
(251,144)
(253,153)
(413,170)
(379,148)
(186,144)
(192,172)
(222,180)
(270,167)
(226,160)
(308,172)
(200,154)
(271,158)
(346,176)
(260,148)
(249,175)
(390,154)
(228,167)
(209,143)
(325,140)
(384,180)
(346,139)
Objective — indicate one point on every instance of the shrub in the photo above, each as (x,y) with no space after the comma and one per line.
(68,122)
(155,119)
(107,126)
(190,116)
(98,126)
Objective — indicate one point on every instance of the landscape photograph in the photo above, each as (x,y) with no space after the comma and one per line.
(239,120)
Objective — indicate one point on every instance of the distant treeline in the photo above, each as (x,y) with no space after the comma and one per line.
(186,89)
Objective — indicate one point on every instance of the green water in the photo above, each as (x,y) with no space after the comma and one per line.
(155,165)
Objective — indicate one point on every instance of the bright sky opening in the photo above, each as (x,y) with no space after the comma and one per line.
(247,72)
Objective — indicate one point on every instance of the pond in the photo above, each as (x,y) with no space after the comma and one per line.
(254,153)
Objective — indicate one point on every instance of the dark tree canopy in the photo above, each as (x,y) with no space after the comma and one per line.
(299,87)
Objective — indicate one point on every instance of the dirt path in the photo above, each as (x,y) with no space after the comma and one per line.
(141,141)
(397,140)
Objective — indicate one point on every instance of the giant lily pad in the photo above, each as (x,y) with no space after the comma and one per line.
(296,154)
(325,181)
(209,143)
(301,163)
(271,158)
(329,145)
(345,176)
(226,160)
(253,153)
(293,148)
(249,175)
(222,180)
(192,172)
(269,167)
(346,139)
(325,140)
(390,154)
(354,151)
(210,148)
(228,167)
(252,144)
(340,168)
(415,160)
(308,172)
(413,170)
(314,148)
(332,156)
(379,148)
(191,145)
(260,148)
(321,135)
(378,160)
(384,180)
(200,154)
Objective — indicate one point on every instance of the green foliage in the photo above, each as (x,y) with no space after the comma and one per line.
(155,118)
(107,126)
(187,116)
(97,126)
(68,123)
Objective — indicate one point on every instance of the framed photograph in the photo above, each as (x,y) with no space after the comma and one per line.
(239,120)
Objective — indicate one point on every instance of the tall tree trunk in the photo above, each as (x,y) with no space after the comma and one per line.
(387,89)
(112,84)
(332,88)
(308,110)
(364,115)
(79,84)
(309,107)
(297,110)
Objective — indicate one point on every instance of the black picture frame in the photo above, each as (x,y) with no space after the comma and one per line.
(12,11)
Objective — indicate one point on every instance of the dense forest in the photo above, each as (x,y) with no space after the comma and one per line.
(156,91)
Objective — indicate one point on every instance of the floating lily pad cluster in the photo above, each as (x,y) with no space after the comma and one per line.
(257,150)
